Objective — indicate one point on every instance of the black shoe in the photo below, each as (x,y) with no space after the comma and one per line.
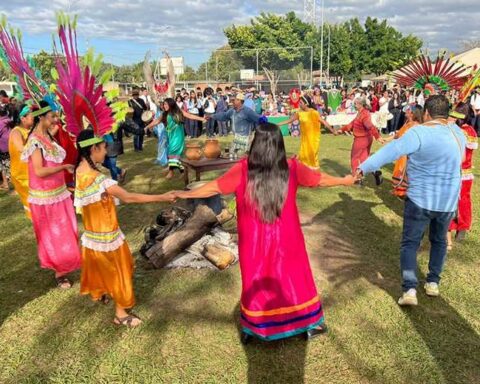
(460,236)
(314,332)
(245,338)
(378,177)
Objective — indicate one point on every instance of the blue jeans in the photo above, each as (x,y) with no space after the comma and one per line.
(222,128)
(138,142)
(210,126)
(192,128)
(415,222)
(111,164)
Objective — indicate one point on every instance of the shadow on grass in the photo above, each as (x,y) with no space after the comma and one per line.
(453,343)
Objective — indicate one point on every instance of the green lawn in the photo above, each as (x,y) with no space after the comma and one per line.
(190,330)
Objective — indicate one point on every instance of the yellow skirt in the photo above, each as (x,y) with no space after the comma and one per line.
(108,273)
(21,187)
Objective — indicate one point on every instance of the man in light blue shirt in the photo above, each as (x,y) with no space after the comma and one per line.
(243,120)
(435,150)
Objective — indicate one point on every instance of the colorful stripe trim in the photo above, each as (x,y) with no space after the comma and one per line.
(280,311)
(283,335)
(92,189)
(103,237)
(47,194)
(285,322)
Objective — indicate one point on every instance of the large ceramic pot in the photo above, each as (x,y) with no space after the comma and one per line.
(194,151)
(212,149)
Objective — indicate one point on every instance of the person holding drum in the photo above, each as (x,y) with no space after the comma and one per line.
(139,107)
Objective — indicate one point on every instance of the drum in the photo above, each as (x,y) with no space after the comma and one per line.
(147,117)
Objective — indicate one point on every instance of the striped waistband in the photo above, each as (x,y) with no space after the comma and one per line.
(103,237)
(47,194)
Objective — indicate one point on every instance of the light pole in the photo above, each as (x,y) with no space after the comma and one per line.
(321,46)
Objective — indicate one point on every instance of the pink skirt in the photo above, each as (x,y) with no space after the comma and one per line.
(55,227)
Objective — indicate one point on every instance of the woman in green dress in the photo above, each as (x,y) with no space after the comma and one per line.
(173,119)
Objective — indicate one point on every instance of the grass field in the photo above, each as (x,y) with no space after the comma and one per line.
(190,332)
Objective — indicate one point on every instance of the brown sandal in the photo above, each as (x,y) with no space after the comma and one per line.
(104,299)
(127,320)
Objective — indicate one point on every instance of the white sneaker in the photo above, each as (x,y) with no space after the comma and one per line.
(431,289)
(409,298)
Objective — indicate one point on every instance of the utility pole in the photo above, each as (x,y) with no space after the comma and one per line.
(328,55)
(321,46)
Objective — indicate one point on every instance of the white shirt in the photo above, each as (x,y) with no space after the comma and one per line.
(211,105)
(149,103)
(383,104)
(421,100)
(475,101)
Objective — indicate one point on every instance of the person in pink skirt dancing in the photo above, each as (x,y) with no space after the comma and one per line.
(279,297)
(51,206)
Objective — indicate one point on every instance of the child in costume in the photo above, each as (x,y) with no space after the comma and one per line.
(33,91)
(462,223)
(53,216)
(107,263)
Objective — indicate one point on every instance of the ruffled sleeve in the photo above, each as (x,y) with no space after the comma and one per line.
(93,193)
(54,152)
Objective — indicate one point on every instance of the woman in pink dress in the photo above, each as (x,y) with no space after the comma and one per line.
(53,215)
(279,298)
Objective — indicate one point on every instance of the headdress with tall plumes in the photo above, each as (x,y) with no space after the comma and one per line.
(28,78)
(432,77)
(473,81)
(81,98)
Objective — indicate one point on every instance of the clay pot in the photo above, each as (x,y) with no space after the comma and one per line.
(212,149)
(194,151)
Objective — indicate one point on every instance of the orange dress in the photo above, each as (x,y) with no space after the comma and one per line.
(107,263)
(19,169)
(399,175)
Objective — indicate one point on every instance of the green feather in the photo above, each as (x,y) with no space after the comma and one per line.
(54,74)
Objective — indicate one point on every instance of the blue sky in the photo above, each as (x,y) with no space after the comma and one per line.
(123,30)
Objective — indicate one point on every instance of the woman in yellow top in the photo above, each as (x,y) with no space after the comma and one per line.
(107,264)
(16,142)
(310,123)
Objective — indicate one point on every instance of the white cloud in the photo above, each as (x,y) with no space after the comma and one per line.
(199,24)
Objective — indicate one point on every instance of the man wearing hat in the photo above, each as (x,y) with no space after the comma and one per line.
(139,107)
(243,123)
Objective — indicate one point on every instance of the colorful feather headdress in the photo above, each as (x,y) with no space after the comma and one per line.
(472,82)
(432,77)
(28,78)
(80,90)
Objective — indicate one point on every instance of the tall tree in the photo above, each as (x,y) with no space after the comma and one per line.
(374,47)
(45,62)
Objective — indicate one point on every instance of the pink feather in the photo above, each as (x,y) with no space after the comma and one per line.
(77,92)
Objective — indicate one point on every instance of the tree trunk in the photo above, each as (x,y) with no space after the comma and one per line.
(201,222)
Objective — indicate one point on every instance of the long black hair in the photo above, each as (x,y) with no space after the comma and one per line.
(173,110)
(308,101)
(464,109)
(268,172)
(85,152)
